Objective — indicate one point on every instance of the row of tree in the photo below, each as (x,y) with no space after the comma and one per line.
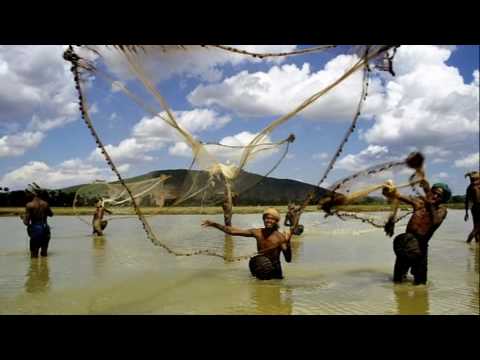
(58,198)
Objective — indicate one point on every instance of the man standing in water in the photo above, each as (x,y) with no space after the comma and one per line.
(473,196)
(270,244)
(97,222)
(36,212)
(411,248)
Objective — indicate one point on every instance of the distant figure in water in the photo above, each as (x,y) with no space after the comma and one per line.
(473,196)
(35,218)
(411,248)
(270,244)
(98,223)
(292,219)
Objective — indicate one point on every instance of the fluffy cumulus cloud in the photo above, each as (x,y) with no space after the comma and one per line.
(427,103)
(204,64)
(17,144)
(373,154)
(153,133)
(282,88)
(71,171)
(472,161)
(233,151)
(36,93)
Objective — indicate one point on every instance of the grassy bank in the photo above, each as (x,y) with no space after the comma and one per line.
(64,211)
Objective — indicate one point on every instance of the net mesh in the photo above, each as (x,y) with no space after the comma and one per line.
(217,171)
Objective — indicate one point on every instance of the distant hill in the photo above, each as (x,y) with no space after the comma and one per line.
(254,189)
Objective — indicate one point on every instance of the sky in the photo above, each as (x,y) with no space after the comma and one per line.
(430,105)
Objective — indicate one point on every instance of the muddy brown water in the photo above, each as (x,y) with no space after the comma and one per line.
(338,268)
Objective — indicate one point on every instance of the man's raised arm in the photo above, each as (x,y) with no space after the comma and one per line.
(230,230)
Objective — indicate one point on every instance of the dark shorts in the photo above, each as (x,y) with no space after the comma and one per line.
(99,225)
(406,246)
(412,253)
(39,237)
(263,268)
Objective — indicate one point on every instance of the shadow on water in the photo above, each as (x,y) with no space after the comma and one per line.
(38,276)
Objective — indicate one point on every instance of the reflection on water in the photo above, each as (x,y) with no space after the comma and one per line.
(271,298)
(38,276)
(474,280)
(411,299)
(228,247)
(337,268)
(99,252)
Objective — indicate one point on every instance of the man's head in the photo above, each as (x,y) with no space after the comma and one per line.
(271,218)
(440,193)
(474,176)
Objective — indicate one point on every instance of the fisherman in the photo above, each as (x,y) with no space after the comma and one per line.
(35,218)
(411,247)
(97,222)
(472,196)
(270,244)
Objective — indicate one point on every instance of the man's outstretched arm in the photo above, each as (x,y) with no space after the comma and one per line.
(230,230)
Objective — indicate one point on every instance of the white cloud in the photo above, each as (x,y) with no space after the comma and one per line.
(231,153)
(320,156)
(471,161)
(73,171)
(193,61)
(37,94)
(36,80)
(427,103)
(180,149)
(440,175)
(127,150)
(153,133)
(194,121)
(283,88)
(18,144)
(373,154)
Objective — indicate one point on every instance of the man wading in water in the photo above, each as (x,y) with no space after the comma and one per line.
(270,244)
(411,248)
(473,196)
(36,212)
(97,222)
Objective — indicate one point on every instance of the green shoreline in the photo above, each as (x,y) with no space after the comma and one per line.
(64,211)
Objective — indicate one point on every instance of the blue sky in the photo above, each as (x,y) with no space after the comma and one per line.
(431,105)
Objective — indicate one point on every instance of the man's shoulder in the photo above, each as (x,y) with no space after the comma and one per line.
(43,203)
(442,210)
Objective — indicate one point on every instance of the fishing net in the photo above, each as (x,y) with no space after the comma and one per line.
(371,185)
(148,193)
(214,172)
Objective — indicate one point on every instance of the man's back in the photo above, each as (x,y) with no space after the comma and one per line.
(36,211)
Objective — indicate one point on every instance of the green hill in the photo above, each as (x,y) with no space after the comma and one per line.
(254,189)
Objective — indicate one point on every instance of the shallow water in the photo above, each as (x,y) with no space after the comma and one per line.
(337,268)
